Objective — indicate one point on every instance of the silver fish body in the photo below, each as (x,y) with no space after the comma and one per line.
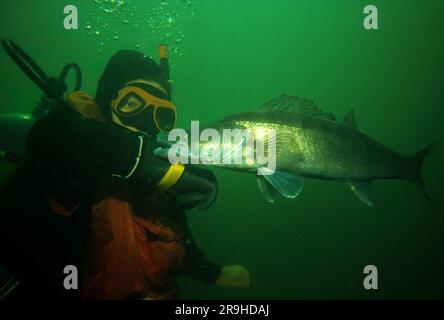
(321,148)
(309,143)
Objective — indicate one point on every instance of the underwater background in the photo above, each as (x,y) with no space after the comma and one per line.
(231,56)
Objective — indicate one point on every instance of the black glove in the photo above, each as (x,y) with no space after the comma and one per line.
(196,188)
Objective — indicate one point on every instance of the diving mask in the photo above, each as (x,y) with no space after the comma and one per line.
(145,108)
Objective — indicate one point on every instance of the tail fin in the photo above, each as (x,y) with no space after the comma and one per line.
(414,175)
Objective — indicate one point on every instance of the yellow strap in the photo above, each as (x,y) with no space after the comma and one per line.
(163,51)
(171,176)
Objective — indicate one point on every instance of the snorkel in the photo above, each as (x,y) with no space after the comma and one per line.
(164,61)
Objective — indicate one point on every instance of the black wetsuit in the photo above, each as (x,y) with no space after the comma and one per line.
(73,159)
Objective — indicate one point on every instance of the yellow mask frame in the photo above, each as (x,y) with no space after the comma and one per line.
(132,100)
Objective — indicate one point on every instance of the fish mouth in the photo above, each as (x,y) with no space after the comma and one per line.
(165,146)
(162,140)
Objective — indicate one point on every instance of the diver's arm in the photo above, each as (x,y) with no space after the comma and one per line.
(196,264)
(73,141)
(65,145)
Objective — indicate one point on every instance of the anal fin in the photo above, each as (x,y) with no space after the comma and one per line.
(363,190)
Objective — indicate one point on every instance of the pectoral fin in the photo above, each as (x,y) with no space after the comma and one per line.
(287,184)
(363,190)
(267,189)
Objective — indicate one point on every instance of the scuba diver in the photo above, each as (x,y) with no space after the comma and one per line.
(90,194)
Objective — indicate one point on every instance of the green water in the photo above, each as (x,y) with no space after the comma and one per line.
(230,56)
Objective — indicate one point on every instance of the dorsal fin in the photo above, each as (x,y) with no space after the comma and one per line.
(350,119)
(296,105)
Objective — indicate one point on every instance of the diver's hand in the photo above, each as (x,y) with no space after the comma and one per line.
(235,276)
(197,188)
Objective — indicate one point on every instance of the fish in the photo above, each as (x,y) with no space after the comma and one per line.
(312,144)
